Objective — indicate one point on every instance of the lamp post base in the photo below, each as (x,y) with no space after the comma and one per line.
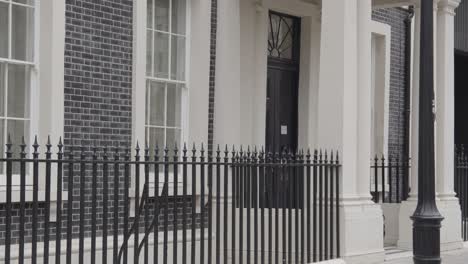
(426,239)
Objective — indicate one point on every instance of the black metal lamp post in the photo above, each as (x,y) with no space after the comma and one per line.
(426,218)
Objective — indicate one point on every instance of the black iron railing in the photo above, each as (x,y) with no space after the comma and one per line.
(389,179)
(461,186)
(234,206)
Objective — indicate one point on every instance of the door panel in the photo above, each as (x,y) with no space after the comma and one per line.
(281,110)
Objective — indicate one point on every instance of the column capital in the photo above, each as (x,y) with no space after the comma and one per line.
(448,6)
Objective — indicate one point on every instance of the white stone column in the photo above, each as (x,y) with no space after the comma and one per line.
(227,122)
(339,117)
(405,225)
(364,97)
(445,126)
(227,95)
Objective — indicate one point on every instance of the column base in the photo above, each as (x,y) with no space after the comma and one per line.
(362,232)
(405,227)
(450,233)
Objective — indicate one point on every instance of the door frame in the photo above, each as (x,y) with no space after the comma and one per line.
(292,65)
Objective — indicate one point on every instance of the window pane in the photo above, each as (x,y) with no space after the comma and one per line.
(18,91)
(178,58)
(280,36)
(149,52)
(161,55)
(149,14)
(3,67)
(3,30)
(27,2)
(22,33)
(161,15)
(17,129)
(178,16)
(173,137)
(174,105)
(155,105)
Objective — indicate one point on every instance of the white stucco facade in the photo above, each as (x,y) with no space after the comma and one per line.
(335,103)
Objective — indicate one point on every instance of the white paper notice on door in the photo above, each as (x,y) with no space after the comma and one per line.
(284,130)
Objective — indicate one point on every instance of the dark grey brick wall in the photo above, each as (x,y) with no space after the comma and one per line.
(98,84)
(98,72)
(395,17)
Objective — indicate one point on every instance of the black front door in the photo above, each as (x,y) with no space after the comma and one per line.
(282,83)
(282,110)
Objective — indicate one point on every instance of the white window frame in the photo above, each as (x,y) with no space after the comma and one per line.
(34,93)
(139,88)
(46,95)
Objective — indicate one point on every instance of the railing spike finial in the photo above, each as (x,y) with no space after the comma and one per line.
(104,149)
(116,151)
(94,148)
(194,150)
(137,149)
(156,147)
(82,150)
(48,145)
(185,149)
(35,147)
(147,149)
(218,151)
(60,146)
(23,146)
(176,150)
(166,151)
(202,150)
(156,150)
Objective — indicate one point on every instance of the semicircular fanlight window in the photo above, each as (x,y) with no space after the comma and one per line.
(280,36)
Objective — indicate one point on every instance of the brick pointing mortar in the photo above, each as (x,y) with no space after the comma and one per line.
(212,84)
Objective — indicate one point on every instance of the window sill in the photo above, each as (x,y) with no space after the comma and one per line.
(16,195)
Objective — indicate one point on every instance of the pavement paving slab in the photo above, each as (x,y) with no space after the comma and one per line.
(448,257)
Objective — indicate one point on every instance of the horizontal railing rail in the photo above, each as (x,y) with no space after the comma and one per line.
(389,179)
(222,206)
